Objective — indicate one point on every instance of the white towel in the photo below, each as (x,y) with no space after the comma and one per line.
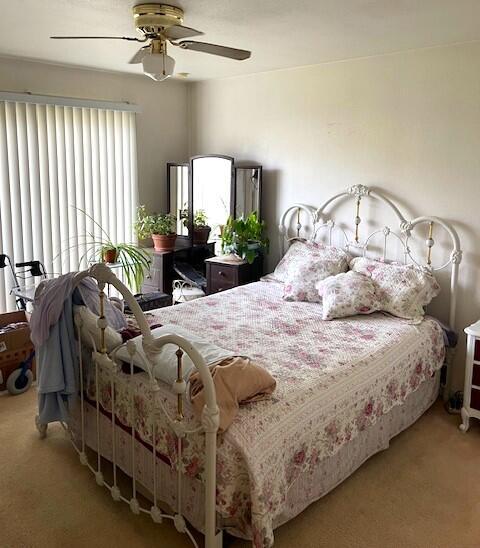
(165,366)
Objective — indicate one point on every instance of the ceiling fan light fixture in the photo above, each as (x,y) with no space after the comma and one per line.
(160,25)
(158,66)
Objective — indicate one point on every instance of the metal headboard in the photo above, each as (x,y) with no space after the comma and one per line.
(306,222)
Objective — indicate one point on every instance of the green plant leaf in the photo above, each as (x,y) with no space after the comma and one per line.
(244,236)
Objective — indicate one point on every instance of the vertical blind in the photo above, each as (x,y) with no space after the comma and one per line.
(63,169)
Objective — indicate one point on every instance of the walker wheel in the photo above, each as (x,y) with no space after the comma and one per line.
(19,382)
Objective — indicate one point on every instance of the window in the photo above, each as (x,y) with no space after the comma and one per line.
(63,168)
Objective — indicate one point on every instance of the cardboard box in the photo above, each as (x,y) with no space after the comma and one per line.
(15,345)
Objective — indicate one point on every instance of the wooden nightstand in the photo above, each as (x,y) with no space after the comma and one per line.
(223,275)
(471,393)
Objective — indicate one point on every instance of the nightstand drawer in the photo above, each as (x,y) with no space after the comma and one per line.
(476,354)
(476,375)
(217,285)
(223,276)
(475,399)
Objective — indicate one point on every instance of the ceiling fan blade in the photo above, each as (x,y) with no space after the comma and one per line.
(178,32)
(214,49)
(138,57)
(131,39)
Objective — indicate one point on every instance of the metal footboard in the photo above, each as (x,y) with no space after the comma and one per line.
(208,425)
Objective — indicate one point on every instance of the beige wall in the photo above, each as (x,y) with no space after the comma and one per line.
(408,123)
(161,126)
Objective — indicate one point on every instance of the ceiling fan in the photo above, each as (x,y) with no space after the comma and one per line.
(159,24)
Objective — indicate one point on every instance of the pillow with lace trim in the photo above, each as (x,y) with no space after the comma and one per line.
(303,254)
(403,290)
(300,284)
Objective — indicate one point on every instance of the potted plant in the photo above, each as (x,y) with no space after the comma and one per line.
(143,227)
(133,260)
(201,229)
(244,237)
(160,226)
(164,232)
(109,254)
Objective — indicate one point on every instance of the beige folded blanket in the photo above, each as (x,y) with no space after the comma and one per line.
(237,381)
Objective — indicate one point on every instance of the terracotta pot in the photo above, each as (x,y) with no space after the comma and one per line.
(109,255)
(200,235)
(164,242)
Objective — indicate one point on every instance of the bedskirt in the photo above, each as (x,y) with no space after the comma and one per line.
(308,487)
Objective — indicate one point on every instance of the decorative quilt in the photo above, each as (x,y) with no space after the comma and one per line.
(334,379)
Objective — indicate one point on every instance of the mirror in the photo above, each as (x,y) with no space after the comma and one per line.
(212,192)
(177,189)
(248,190)
(208,190)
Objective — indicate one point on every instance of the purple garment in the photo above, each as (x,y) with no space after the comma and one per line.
(49,302)
(450,337)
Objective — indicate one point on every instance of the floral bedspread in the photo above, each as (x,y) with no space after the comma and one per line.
(334,379)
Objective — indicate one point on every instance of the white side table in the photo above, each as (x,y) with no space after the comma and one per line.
(471,393)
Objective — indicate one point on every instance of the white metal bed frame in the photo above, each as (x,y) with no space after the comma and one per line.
(317,220)
(322,219)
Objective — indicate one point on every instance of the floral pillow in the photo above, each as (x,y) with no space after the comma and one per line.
(347,294)
(404,290)
(300,285)
(304,254)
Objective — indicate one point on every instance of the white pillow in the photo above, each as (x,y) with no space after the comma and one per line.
(347,294)
(90,329)
(404,290)
(301,252)
(165,365)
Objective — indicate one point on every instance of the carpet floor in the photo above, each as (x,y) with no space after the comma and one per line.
(423,492)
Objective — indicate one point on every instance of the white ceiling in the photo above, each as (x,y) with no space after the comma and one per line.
(280,33)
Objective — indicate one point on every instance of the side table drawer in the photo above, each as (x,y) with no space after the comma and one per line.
(476,375)
(223,276)
(476,353)
(475,399)
(217,285)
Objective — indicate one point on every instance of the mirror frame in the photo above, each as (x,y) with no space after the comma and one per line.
(233,187)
